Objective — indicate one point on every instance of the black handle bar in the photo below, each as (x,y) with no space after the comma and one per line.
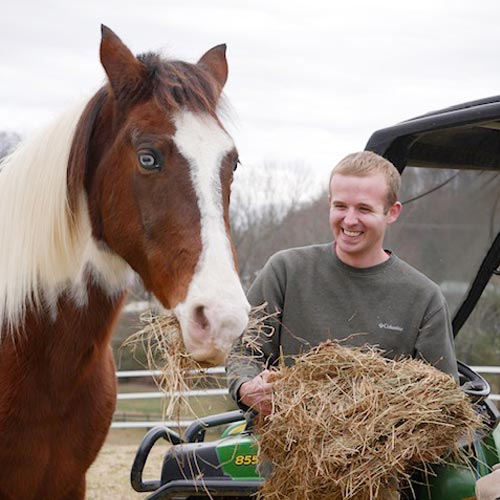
(142,454)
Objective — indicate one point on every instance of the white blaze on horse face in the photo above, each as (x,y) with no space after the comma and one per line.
(215,311)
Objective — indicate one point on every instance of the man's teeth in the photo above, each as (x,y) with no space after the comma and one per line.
(352,233)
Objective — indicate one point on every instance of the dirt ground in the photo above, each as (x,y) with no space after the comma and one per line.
(109,476)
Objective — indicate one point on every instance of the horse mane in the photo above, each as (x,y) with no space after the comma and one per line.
(45,230)
(37,245)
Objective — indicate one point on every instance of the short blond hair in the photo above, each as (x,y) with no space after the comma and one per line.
(366,163)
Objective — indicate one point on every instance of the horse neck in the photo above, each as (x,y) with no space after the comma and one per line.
(63,350)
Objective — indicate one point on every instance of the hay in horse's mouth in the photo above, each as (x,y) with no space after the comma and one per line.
(161,341)
(348,423)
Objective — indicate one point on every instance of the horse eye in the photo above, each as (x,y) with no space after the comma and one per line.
(148,161)
(235,164)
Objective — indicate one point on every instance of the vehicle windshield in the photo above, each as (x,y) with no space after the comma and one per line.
(448,223)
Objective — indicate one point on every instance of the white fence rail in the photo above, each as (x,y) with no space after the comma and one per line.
(219,370)
(491,370)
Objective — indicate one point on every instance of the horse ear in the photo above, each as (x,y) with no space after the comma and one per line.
(122,67)
(214,61)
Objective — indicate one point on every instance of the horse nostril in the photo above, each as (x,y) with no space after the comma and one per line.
(200,317)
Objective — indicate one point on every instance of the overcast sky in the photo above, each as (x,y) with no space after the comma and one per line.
(309,80)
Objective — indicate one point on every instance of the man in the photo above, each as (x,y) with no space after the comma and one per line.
(352,289)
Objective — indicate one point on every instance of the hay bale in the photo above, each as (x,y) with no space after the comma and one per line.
(351,424)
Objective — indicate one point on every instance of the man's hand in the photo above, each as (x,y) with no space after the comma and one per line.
(258,393)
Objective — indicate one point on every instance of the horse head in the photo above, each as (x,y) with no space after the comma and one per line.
(156,165)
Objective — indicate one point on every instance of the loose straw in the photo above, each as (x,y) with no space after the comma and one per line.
(351,424)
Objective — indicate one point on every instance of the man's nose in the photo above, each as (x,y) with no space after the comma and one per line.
(351,216)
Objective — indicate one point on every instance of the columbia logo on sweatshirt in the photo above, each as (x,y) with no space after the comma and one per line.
(387,326)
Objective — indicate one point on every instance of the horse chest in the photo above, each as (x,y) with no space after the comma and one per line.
(49,372)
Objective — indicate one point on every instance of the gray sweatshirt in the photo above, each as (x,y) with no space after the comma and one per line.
(391,305)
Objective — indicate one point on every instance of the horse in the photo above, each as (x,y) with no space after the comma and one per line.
(134,181)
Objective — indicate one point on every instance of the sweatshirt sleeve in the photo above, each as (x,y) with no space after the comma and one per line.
(245,362)
(435,343)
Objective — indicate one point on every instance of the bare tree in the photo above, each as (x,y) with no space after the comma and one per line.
(8,141)
(264,203)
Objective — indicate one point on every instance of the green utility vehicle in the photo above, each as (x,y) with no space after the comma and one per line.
(450,230)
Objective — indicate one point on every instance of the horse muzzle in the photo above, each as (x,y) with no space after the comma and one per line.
(209,329)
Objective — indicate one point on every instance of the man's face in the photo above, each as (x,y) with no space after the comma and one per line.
(359,216)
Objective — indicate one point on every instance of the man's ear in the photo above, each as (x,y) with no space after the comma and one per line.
(393,212)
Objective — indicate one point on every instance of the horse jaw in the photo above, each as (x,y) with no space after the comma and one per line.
(215,310)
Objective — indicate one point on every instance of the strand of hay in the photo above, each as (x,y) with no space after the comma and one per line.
(161,341)
(351,424)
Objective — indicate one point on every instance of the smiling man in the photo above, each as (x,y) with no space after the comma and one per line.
(350,289)
(363,202)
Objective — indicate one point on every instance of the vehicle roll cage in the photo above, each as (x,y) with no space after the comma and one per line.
(466,136)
